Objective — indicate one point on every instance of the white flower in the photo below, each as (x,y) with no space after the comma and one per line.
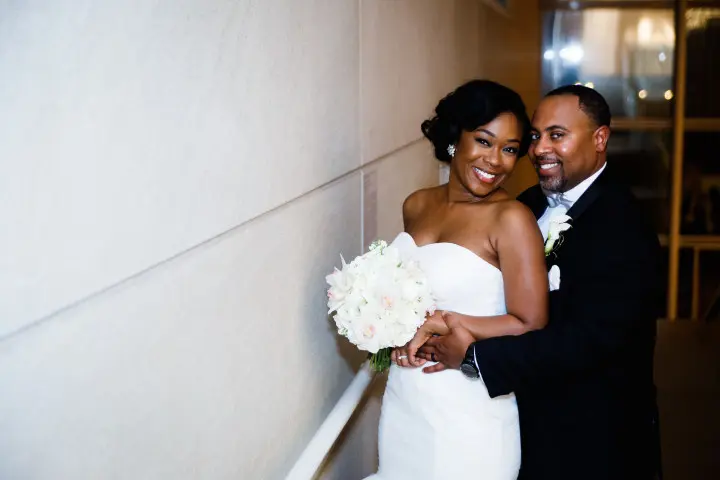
(558,225)
(379,299)
(554,278)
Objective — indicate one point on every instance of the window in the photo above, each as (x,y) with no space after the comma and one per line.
(628,51)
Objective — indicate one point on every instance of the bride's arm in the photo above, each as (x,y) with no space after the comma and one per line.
(488,327)
(519,246)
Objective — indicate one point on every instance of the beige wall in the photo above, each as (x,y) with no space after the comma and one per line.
(176,178)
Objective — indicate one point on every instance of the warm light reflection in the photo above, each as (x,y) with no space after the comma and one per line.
(654,29)
(668,95)
(642,94)
(590,85)
(697,18)
(644,30)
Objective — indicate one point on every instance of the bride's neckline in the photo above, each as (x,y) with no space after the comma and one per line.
(465,249)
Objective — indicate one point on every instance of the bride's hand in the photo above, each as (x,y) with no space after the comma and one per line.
(434,325)
(399,356)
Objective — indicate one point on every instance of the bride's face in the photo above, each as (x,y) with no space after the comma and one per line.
(485,157)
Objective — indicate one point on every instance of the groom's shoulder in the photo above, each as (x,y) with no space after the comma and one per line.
(531,195)
(620,199)
(621,209)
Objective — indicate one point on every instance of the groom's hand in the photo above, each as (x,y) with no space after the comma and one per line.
(449,349)
(434,325)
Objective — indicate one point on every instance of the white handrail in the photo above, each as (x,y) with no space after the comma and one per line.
(314,454)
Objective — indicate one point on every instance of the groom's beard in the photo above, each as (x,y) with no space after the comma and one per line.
(553,184)
(556,183)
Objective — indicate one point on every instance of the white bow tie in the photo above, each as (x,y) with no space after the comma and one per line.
(557,199)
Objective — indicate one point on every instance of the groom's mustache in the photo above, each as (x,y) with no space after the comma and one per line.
(546,159)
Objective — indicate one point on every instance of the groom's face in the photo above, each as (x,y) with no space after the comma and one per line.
(565,143)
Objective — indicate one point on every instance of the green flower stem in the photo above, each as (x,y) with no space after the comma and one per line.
(380,361)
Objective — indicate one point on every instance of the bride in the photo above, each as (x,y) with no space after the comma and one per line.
(483,254)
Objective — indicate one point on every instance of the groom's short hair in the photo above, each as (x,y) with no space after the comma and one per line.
(591,102)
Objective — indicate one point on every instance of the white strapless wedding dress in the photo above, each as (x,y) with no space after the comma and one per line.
(444,426)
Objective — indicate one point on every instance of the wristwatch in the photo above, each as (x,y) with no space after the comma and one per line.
(468,366)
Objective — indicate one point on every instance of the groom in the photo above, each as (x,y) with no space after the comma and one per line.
(584,384)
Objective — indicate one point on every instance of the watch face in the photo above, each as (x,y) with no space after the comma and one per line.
(469,370)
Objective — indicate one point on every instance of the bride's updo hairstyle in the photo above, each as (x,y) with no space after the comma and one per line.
(470,106)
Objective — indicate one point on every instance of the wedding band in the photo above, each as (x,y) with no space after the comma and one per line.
(401,357)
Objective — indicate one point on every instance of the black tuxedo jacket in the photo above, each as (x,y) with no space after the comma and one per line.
(584,384)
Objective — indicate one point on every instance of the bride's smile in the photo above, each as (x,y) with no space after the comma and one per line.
(484,158)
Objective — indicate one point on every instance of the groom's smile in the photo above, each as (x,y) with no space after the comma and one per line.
(550,172)
(548,166)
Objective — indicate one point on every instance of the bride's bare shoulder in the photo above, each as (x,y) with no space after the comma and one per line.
(418,201)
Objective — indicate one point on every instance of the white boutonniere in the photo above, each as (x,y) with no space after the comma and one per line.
(558,225)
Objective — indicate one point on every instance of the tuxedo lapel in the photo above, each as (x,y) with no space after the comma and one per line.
(587,198)
(535,199)
(575,212)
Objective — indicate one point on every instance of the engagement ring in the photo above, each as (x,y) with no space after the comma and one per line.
(401,357)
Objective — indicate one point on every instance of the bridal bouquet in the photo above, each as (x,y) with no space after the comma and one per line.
(378,301)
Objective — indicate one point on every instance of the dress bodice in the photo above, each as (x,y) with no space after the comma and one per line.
(461,281)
